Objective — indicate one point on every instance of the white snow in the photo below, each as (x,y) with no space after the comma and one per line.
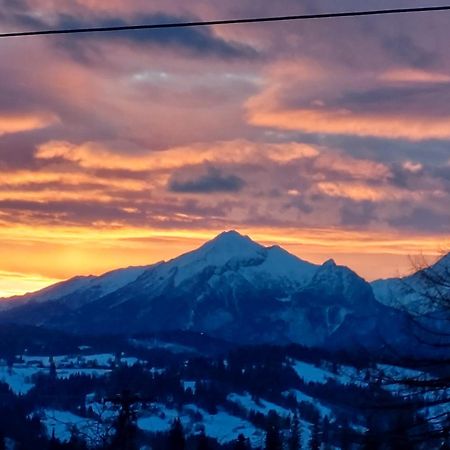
(19,376)
(310,373)
(18,379)
(102,285)
(302,397)
(62,423)
(159,418)
(189,385)
(226,428)
(345,375)
(263,406)
(222,426)
(413,292)
(230,250)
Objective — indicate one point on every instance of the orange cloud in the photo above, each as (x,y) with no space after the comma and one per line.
(29,178)
(317,93)
(409,75)
(348,123)
(17,123)
(361,191)
(361,169)
(98,156)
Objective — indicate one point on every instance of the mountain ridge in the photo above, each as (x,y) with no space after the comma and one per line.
(231,288)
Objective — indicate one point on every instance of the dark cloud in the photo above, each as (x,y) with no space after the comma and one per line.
(380,149)
(405,50)
(199,41)
(423,219)
(214,180)
(357,214)
(144,211)
(432,99)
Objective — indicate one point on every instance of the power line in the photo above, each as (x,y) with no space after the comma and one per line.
(153,26)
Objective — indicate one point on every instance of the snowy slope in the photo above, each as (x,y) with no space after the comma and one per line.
(413,292)
(230,252)
(80,287)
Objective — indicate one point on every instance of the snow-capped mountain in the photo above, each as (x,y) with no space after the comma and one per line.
(231,287)
(415,292)
(82,287)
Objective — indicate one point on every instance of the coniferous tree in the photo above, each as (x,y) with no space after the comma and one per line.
(345,436)
(273,438)
(241,443)
(125,424)
(325,431)
(54,443)
(75,442)
(202,443)
(315,441)
(52,371)
(176,439)
(295,442)
(370,441)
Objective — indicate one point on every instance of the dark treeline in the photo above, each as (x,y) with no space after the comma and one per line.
(263,372)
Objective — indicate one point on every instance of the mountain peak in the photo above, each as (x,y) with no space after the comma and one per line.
(231,243)
(329,263)
(231,236)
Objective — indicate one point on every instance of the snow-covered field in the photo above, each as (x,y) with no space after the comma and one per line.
(222,426)
(302,397)
(95,360)
(63,423)
(19,377)
(263,406)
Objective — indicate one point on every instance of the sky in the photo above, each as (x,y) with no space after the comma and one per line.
(330,138)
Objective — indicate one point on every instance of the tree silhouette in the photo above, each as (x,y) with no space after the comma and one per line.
(52,371)
(273,439)
(428,325)
(315,441)
(125,424)
(202,442)
(294,442)
(176,439)
(241,443)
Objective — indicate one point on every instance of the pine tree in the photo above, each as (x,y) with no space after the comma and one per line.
(52,371)
(370,441)
(53,444)
(345,436)
(241,443)
(325,429)
(273,439)
(176,439)
(294,442)
(202,443)
(315,441)
(125,425)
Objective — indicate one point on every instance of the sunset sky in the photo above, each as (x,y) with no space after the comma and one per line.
(330,138)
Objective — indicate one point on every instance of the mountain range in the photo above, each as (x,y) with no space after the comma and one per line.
(230,288)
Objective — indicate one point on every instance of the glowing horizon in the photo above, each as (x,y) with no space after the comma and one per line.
(70,251)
